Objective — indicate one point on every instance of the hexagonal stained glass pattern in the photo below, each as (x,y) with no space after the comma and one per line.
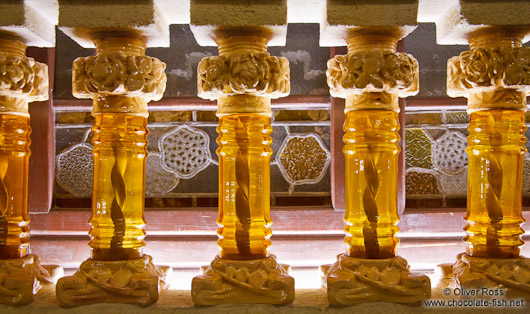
(421,182)
(158,181)
(449,152)
(184,151)
(74,170)
(303,158)
(453,184)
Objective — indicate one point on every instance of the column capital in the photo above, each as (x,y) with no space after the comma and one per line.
(372,75)
(22,79)
(495,72)
(119,73)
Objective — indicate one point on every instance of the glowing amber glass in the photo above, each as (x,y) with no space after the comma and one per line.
(244,186)
(14,161)
(496,152)
(120,148)
(371,153)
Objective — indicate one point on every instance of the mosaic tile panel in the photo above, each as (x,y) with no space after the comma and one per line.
(453,184)
(420,118)
(303,158)
(158,181)
(449,152)
(74,118)
(185,151)
(206,116)
(74,170)
(421,182)
(526,174)
(418,149)
(182,160)
(301,115)
(436,159)
(170,116)
(453,117)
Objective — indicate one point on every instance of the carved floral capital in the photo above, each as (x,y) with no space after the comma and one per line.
(119,74)
(22,77)
(255,74)
(488,69)
(373,71)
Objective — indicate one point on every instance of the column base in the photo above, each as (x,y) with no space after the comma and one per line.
(243,281)
(510,274)
(136,281)
(22,278)
(354,280)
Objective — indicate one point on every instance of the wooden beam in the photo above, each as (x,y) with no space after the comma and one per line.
(42,159)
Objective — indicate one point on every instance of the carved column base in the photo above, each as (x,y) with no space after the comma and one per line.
(510,274)
(243,281)
(354,280)
(136,281)
(22,278)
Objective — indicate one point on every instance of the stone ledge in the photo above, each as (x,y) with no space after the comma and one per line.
(28,21)
(143,16)
(466,16)
(179,301)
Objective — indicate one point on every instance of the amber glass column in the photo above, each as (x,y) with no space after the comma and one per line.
(14,157)
(371,153)
(243,78)
(120,149)
(244,186)
(22,81)
(372,76)
(121,80)
(496,152)
(494,76)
